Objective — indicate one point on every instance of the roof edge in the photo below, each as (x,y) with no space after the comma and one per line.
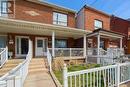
(96,10)
(52,5)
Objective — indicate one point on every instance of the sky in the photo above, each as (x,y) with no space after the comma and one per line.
(120,8)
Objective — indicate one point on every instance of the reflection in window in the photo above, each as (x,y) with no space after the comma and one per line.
(39,43)
(61,44)
(59,19)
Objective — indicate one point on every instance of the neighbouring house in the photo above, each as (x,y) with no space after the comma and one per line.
(47,25)
(121,25)
(102,38)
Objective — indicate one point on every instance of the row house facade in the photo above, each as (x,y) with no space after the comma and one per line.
(53,26)
(47,25)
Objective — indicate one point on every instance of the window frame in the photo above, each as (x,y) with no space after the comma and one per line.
(96,27)
(57,21)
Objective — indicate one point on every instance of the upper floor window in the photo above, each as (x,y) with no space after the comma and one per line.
(3,8)
(59,19)
(98,24)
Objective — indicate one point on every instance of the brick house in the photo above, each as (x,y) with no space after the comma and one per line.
(47,25)
(91,19)
(103,39)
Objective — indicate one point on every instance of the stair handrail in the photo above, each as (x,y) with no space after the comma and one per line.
(3,56)
(19,73)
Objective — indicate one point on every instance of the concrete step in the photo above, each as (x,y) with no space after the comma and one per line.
(36,66)
(9,65)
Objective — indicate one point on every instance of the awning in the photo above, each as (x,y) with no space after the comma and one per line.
(26,27)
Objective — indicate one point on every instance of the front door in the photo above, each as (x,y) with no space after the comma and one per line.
(41,47)
(21,46)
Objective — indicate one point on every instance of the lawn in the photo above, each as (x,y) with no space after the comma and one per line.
(73,68)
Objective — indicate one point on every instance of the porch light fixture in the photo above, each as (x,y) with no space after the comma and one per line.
(11,40)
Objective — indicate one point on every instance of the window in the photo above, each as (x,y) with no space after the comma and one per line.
(60,43)
(3,8)
(98,24)
(39,43)
(59,19)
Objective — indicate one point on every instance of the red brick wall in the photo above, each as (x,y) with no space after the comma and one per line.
(91,15)
(121,26)
(45,13)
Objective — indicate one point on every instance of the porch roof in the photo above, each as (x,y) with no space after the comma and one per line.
(26,27)
(106,34)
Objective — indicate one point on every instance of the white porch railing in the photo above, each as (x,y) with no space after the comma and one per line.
(17,76)
(68,52)
(3,56)
(49,59)
(108,76)
(111,56)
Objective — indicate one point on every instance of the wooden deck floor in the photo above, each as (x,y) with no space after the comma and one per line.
(9,65)
(38,74)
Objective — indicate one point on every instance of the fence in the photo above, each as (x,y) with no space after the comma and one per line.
(108,76)
(68,52)
(17,76)
(3,56)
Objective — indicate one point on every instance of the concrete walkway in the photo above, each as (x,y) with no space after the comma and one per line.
(38,74)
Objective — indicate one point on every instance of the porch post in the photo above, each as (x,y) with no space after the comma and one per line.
(120,43)
(98,48)
(53,44)
(85,45)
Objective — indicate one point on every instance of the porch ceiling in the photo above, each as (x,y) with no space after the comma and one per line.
(25,27)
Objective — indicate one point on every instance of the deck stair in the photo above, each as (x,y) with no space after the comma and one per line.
(9,65)
(38,75)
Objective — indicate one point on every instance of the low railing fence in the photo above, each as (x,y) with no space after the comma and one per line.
(49,59)
(93,51)
(68,52)
(3,56)
(17,76)
(108,76)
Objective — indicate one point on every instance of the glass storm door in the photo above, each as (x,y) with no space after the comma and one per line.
(22,46)
(40,47)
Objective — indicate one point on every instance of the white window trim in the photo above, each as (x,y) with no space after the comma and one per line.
(96,27)
(57,21)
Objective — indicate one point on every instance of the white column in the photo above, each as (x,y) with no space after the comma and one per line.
(53,44)
(65,76)
(85,45)
(120,43)
(98,48)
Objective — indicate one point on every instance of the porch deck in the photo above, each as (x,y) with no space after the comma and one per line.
(9,65)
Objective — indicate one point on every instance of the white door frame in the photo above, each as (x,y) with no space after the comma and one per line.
(41,38)
(16,54)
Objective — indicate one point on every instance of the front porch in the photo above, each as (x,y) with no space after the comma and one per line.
(105,47)
(43,36)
